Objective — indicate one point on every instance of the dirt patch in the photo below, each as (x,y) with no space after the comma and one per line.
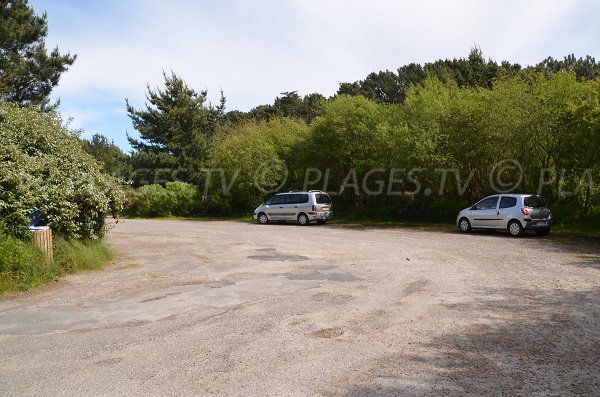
(328,333)
(326,297)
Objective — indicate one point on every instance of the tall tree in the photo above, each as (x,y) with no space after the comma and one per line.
(28,73)
(177,122)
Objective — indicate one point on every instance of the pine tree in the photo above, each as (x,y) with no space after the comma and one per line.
(28,73)
(176,124)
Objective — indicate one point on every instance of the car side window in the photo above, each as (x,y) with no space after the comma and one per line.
(279,199)
(302,198)
(487,204)
(508,202)
(291,199)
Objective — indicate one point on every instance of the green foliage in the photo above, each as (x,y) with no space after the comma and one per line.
(28,73)
(71,256)
(350,133)
(390,87)
(177,123)
(585,68)
(23,266)
(186,197)
(113,160)
(254,155)
(289,104)
(450,122)
(176,198)
(42,165)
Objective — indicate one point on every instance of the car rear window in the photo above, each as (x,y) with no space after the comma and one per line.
(508,202)
(323,198)
(534,201)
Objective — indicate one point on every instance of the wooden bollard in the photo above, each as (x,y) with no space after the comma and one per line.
(41,237)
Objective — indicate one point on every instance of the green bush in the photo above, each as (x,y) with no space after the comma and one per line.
(186,197)
(177,198)
(42,165)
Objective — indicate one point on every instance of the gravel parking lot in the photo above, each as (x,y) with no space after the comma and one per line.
(228,308)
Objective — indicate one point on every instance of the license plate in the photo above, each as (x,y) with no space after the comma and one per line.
(541,223)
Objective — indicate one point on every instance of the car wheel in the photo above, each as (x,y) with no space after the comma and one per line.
(543,232)
(303,219)
(262,218)
(515,229)
(322,221)
(464,225)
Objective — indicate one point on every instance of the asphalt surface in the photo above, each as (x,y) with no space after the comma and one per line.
(227,308)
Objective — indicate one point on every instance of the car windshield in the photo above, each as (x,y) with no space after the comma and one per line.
(534,201)
(323,198)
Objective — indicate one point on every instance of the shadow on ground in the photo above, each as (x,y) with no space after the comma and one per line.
(524,343)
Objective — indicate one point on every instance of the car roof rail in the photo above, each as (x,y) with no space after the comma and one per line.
(295,191)
(314,191)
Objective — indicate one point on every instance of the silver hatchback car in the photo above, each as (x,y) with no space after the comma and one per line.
(302,207)
(513,212)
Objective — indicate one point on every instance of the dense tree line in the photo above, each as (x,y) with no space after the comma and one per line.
(432,148)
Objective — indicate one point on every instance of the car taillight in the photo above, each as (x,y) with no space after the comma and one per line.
(314,208)
(524,211)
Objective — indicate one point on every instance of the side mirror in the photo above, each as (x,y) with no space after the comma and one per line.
(474,207)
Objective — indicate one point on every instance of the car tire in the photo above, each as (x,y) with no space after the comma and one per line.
(322,221)
(464,225)
(515,229)
(543,232)
(262,218)
(303,219)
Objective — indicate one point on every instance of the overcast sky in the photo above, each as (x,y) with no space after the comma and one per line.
(255,50)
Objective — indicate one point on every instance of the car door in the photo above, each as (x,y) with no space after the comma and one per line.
(290,207)
(484,214)
(506,210)
(274,208)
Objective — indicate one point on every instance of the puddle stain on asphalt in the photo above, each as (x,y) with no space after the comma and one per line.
(219,283)
(340,277)
(290,258)
(43,319)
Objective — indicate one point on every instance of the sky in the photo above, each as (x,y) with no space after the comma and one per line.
(255,50)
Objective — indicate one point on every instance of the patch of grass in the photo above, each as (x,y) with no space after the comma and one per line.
(23,266)
(77,255)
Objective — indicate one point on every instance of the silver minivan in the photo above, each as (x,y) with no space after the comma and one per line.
(300,206)
(513,212)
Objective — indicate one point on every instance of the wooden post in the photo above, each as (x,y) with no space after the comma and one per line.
(42,237)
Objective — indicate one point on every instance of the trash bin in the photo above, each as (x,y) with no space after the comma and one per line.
(41,236)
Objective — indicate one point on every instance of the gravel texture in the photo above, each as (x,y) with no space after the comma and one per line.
(227,308)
